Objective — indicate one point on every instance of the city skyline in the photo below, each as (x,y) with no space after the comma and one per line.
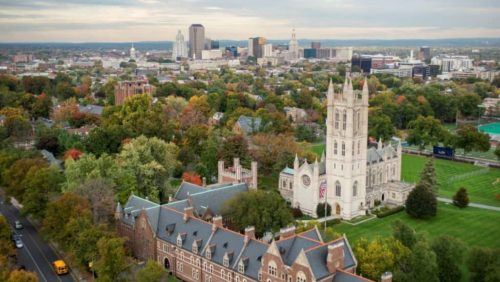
(152,20)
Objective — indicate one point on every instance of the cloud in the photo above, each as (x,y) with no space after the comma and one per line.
(134,20)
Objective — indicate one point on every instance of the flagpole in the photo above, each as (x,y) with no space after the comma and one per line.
(326,196)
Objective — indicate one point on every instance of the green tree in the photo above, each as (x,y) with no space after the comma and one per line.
(497,151)
(39,185)
(483,264)
(152,271)
(404,234)
(151,161)
(422,264)
(421,202)
(267,211)
(235,146)
(380,126)
(468,105)
(209,158)
(65,91)
(105,140)
(469,138)
(425,131)
(450,256)
(100,194)
(320,209)
(16,174)
(461,199)
(112,259)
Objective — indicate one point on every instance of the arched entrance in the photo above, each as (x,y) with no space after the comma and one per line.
(337,209)
(166,264)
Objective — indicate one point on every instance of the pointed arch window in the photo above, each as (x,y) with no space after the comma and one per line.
(343,149)
(335,147)
(355,189)
(359,147)
(336,119)
(338,189)
(359,120)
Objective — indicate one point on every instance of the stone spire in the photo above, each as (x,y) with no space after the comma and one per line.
(365,93)
(296,163)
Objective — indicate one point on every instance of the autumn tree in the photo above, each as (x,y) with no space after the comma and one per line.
(151,271)
(100,194)
(16,123)
(111,258)
(65,110)
(192,177)
(267,211)
(16,174)
(235,146)
(22,276)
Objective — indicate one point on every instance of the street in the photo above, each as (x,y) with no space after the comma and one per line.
(36,255)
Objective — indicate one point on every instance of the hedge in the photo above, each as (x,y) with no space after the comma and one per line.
(390,212)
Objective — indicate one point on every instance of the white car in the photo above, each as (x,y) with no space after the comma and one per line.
(19,243)
(18,225)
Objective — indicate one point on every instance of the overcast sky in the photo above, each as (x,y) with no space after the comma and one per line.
(158,20)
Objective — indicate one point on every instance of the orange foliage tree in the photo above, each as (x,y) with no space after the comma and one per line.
(192,177)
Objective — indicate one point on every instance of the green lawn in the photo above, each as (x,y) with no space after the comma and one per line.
(318,149)
(475,227)
(478,181)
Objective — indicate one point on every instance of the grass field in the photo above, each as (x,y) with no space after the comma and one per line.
(478,181)
(475,227)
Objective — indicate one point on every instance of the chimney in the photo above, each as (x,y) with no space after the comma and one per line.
(216,223)
(335,257)
(220,167)
(249,233)
(287,232)
(236,162)
(188,212)
(386,277)
(170,198)
(204,184)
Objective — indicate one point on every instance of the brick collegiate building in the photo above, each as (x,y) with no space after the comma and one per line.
(126,89)
(188,238)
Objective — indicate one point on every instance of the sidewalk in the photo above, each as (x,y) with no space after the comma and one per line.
(474,205)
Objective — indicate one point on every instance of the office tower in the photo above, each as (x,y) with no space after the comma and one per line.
(268,50)
(425,52)
(180,47)
(316,45)
(250,47)
(214,44)
(310,53)
(257,46)
(293,47)
(196,40)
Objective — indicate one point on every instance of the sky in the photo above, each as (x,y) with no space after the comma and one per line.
(159,20)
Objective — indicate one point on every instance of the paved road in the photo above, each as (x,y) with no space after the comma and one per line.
(474,205)
(36,255)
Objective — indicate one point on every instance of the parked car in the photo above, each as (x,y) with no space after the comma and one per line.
(19,242)
(18,225)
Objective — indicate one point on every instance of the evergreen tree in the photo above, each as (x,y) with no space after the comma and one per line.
(461,198)
(320,210)
(421,202)
(422,265)
(428,175)
(404,233)
(484,264)
(449,254)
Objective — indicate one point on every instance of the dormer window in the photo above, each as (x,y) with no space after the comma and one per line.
(208,254)
(241,267)
(195,248)
(179,241)
(226,261)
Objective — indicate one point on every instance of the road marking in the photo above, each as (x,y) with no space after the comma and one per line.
(34,261)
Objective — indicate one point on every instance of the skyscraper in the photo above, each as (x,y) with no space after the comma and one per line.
(179,49)
(196,40)
(256,47)
(293,47)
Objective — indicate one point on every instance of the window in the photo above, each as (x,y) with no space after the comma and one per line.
(335,147)
(337,119)
(225,262)
(338,189)
(208,254)
(355,189)
(195,274)
(354,123)
(343,149)
(180,267)
(205,268)
(195,248)
(211,269)
(241,267)
(344,120)
(284,183)
(260,276)
(237,279)
(208,278)
(353,148)
(198,262)
(165,248)
(191,260)
(359,120)
(301,277)
(272,269)
(291,185)
(229,276)
(181,257)
(359,147)
(223,274)
(393,195)
(179,241)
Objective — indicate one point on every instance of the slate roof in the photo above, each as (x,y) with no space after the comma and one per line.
(50,158)
(91,109)
(214,199)
(319,254)
(133,206)
(186,189)
(342,276)
(312,234)
(253,252)
(290,248)
(249,124)
(225,241)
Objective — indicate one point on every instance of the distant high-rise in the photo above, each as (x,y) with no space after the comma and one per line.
(425,52)
(315,45)
(256,47)
(293,47)
(180,47)
(196,40)
(132,52)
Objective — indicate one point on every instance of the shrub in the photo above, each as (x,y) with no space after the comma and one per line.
(461,199)
(296,212)
(382,214)
(320,210)
(421,202)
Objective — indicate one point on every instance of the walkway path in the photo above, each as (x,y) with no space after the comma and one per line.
(474,205)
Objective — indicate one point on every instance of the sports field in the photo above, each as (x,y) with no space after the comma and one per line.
(479,181)
(476,227)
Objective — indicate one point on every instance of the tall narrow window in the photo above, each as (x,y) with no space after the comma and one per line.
(335,147)
(343,149)
(359,120)
(344,120)
(355,189)
(338,189)
(353,148)
(336,119)
(359,147)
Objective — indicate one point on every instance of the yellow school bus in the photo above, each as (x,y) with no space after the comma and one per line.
(60,267)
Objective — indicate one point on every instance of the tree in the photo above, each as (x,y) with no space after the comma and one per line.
(425,131)
(85,246)
(422,264)
(428,176)
(15,175)
(65,91)
(378,256)
(105,140)
(152,271)
(22,276)
(469,138)
(111,258)
(468,105)
(60,211)
(497,151)
(404,234)
(380,126)
(235,146)
(208,158)
(267,211)
(320,209)
(65,110)
(483,264)
(39,185)
(449,255)
(72,153)
(100,194)
(16,123)
(461,199)
(192,177)
(421,202)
